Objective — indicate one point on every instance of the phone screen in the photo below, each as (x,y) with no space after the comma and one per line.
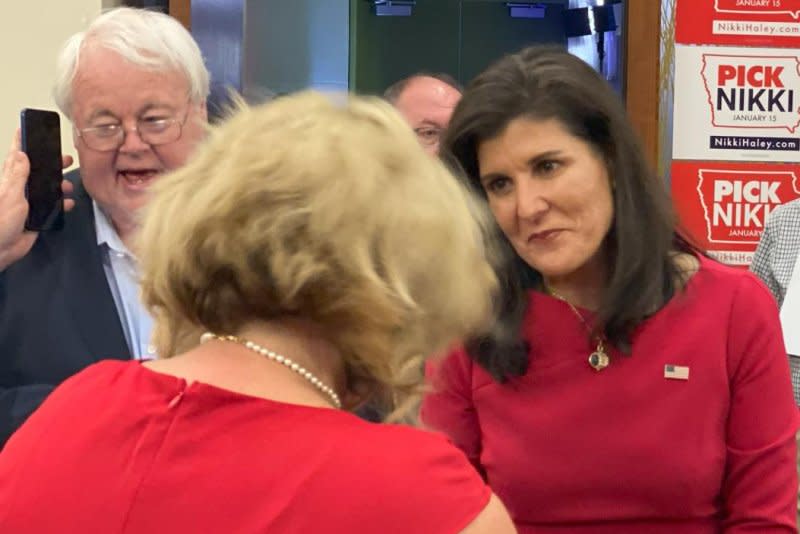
(41,141)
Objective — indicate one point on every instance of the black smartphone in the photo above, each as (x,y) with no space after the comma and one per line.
(41,141)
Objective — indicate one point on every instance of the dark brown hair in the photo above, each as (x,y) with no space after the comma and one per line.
(547,82)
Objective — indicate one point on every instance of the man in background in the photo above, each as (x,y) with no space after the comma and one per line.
(775,260)
(774,263)
(134,86)
(427,102)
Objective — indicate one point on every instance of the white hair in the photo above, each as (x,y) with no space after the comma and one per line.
(149,39)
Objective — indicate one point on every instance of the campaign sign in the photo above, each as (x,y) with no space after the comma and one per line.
(724,206)
(736,104)
(772,23)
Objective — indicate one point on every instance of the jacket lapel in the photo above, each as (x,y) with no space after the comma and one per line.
(86,286)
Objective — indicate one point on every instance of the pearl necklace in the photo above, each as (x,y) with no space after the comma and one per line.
(274,356)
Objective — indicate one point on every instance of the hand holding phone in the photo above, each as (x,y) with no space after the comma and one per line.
(41,141)
(15,242)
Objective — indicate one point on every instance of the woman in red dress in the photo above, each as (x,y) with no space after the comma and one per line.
(631,384)
(306,240)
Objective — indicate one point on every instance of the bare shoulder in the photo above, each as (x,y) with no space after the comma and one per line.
(493,519)
(161,366)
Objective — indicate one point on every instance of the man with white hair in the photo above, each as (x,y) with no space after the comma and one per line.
(134,86)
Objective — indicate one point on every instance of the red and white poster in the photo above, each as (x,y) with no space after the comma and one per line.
(736,119)
(738,22)
(736,103)
(723,206)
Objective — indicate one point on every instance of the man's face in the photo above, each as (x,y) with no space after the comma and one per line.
(427,104)
(108,89)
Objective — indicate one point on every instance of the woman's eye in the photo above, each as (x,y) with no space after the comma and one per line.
(497,185)
(547,166)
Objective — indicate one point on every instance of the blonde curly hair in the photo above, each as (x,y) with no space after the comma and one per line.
(331,212)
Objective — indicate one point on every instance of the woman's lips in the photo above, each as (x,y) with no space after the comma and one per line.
(544,236)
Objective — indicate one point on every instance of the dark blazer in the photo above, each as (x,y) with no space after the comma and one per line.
(57,315)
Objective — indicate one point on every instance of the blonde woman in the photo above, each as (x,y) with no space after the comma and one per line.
(321,251)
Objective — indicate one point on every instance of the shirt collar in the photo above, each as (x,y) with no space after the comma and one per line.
(106,234)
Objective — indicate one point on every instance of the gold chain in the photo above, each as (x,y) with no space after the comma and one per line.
(599,359)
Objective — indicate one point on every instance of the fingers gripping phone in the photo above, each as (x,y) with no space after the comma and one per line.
(41,141)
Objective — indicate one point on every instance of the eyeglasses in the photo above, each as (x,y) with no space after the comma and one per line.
(153,131)
(428,135)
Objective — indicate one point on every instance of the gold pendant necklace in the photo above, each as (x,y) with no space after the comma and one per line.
(599,358)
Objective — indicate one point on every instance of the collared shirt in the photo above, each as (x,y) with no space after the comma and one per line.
(122,273)
(774,261)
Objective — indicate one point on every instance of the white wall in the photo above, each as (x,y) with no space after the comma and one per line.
(31,34)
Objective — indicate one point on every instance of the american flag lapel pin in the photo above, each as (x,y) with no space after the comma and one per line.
(676,372)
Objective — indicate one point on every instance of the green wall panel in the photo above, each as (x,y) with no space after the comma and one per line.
(386,49)
(459,37)
(488,33)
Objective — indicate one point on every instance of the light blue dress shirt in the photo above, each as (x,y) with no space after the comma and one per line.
(122,273)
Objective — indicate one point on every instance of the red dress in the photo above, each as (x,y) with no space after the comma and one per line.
(626,450)
(119,448)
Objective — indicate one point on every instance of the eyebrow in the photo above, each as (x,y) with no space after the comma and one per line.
(105,113)
(428,122)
